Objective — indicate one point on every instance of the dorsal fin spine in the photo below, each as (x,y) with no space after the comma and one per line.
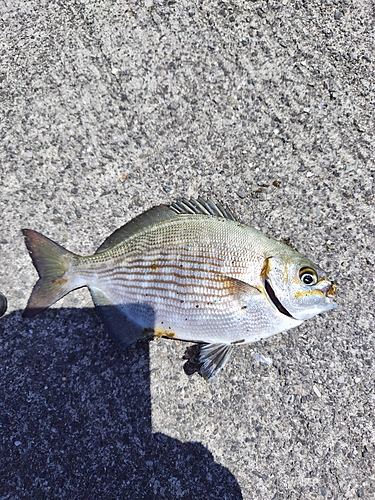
(200,206)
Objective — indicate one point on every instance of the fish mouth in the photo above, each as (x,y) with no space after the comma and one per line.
(275,301)
(330,291)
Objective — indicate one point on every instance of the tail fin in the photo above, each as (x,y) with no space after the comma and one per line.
(52,263)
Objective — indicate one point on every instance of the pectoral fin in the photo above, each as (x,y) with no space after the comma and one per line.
(213,358)
(240,289)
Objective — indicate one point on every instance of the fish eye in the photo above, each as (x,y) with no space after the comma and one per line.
(308,276)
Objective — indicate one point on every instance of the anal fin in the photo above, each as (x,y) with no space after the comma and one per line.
(119,321)
(213,357)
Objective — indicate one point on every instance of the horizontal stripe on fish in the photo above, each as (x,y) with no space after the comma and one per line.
(204,288)
(174,272)
(156,268)
(159,266)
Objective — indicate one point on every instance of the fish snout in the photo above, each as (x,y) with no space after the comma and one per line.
(330,290)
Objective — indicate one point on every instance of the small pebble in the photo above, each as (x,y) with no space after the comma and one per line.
(262,359)
(241,193)
(338,15)
(123,177)
(317,392)
(351,168)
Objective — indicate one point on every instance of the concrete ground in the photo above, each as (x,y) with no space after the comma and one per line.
(110,107)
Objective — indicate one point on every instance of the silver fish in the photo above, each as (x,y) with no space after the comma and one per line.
(187,271)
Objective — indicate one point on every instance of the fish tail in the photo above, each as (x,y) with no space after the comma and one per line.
(53,264)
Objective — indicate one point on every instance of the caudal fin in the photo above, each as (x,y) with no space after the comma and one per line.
(53,264)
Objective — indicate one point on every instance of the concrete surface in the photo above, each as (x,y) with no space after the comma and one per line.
(108,108)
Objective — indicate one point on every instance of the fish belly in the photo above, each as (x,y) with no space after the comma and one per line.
(197,313)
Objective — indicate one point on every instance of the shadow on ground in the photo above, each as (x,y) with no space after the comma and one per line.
(76,419)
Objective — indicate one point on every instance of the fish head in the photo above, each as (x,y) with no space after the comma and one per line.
(298,287)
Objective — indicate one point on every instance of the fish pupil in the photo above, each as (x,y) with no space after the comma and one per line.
(307,279)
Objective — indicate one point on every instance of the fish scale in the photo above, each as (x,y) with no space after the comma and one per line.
(188,271)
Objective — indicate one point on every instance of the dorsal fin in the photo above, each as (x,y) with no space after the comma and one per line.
(162,213)
(148,218)
(201,206)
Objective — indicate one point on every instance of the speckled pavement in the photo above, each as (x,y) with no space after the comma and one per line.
(108,108)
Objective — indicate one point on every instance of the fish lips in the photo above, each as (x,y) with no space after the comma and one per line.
(330,290)
(330,294)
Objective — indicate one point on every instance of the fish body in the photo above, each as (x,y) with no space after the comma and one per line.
(188,271)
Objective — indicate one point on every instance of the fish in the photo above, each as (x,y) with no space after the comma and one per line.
(3,304)
(189,271)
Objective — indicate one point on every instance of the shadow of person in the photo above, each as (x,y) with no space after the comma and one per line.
(76,419)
